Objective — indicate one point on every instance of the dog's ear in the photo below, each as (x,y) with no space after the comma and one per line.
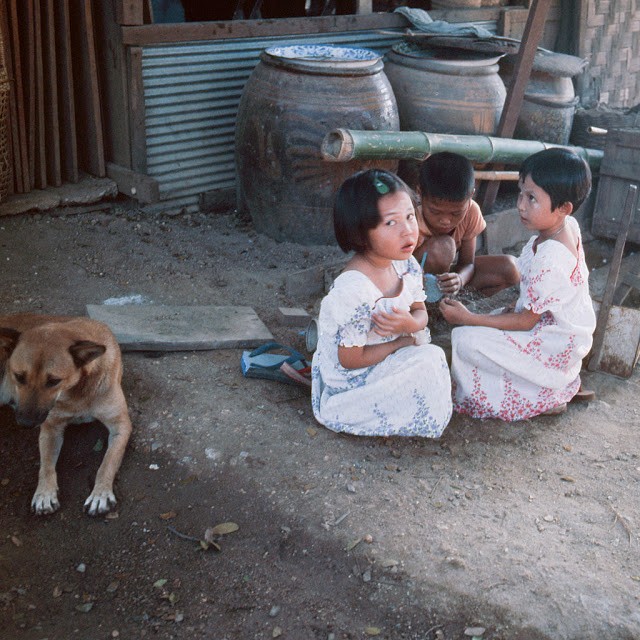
(8,341)
(84,351)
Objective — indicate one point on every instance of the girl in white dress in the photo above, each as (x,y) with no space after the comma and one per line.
(374,371)
(526,362)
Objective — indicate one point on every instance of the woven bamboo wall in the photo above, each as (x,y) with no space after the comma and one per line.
(6,174)
(610,39)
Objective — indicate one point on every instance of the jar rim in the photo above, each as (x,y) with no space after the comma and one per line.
(322,53)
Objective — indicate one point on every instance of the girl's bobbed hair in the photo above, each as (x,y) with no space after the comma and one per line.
(561,173)
(355,211)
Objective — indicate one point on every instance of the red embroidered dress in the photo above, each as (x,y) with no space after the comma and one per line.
(514,375)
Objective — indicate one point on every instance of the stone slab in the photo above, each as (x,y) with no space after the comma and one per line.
(504,230)
(140,327)
(293,316)
(86,191)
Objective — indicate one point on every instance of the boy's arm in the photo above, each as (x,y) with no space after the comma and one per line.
(466,260)
(452,282)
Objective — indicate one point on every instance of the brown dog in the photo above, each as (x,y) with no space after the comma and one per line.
(57,370)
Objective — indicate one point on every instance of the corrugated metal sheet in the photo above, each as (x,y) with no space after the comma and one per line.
(192,91)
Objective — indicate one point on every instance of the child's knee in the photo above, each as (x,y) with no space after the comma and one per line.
(441,251)
(511,273)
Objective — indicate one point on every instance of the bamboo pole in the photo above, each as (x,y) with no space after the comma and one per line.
(343,145)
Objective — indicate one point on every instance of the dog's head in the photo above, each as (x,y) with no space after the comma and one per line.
(40,368)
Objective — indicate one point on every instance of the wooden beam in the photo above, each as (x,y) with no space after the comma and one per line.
(67,110)
(88,112)
(140,186)
(51,109)
(194,31)
(515,93)
(137,127)
(130,12)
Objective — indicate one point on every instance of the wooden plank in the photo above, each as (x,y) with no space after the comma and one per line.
(114,87)
(515,93)
(13,139)
(620,167)
(190,31)
(52,125)
(88,114)
(193,31)
(21,156)
(25,22)
(67,111)
(140,186)
(130,12)
(147,12)
(612,279)
(137,112)
(40,175)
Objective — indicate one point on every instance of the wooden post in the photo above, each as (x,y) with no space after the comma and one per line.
(515,93)
(630,206)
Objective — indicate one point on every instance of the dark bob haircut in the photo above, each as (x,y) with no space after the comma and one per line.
(355,211)
(561,174)
(447,176)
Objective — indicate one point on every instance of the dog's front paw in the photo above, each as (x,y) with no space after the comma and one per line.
(44,502)
(100,501)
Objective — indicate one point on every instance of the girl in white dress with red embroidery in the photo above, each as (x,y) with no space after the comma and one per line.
(526,362)
(374,371)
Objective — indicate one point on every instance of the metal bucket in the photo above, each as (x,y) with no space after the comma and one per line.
(293,98)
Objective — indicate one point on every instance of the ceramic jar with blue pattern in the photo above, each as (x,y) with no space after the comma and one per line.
(294,97)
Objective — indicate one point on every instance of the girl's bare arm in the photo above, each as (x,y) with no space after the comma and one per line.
(370,354)
(455,312)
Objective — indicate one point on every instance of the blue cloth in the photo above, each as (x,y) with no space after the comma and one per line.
(423,22)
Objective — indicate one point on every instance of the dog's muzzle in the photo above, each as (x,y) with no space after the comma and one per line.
(29,419)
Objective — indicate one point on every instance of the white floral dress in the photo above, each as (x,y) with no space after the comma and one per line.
(406,394)
(514,375)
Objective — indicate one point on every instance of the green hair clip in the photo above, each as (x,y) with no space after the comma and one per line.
(381,187)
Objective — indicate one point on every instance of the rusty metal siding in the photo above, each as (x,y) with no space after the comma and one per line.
(191,94)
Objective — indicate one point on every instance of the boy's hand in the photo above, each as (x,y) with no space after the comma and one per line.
(450,283)
(454,312)
(392,323)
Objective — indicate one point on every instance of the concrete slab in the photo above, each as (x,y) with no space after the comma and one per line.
(504,230)
(87,190)
(293,316)
(598,277)
(177,328)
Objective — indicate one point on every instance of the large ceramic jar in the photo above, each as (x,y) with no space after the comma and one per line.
(549,102)
(445,90)
(293,98)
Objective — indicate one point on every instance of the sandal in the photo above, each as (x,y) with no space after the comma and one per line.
(555,411)
(584,395)
(290,369)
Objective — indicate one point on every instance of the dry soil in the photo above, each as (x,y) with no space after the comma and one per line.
(506,531)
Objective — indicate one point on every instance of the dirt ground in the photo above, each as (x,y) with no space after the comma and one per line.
(498,531)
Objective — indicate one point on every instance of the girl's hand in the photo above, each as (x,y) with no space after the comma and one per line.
(450,283)
(454,312)
(392,323)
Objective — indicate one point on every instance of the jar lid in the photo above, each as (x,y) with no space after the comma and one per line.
(446,55)
(324,58)
(323,53)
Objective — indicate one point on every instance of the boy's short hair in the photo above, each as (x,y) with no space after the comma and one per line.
(562,174)
(447,176)
(355,211)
